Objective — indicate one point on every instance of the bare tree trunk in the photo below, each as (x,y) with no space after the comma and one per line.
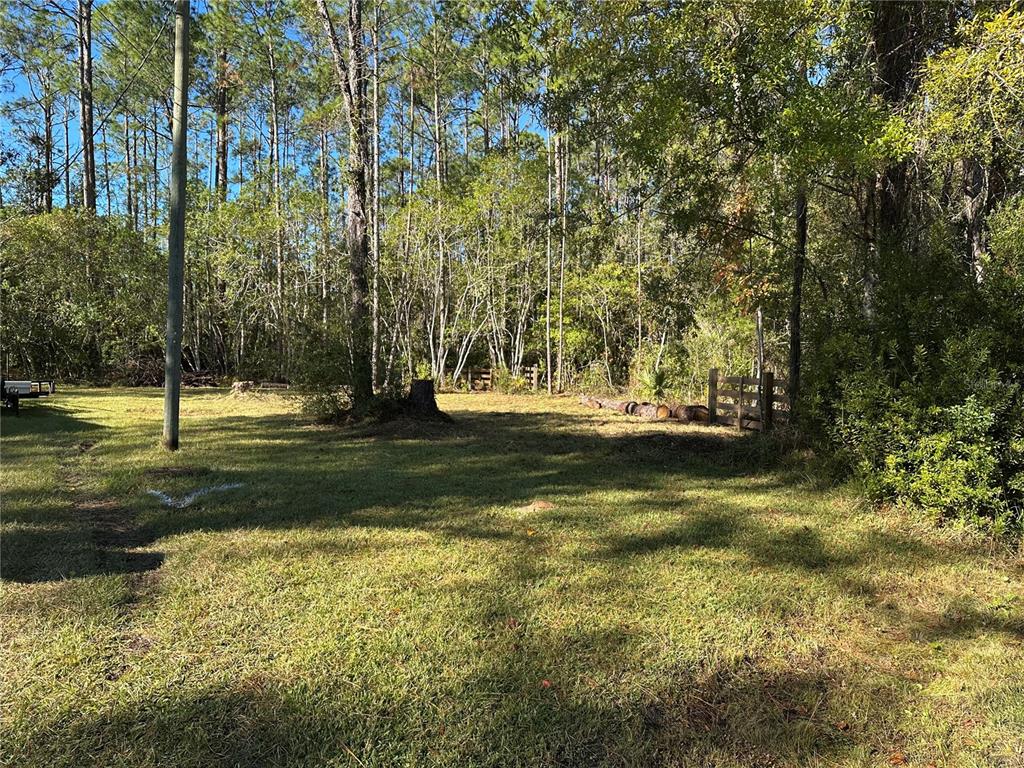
(799,259)
(896,46)
(106,168)
(176,228)
(275,161)
(975,201)
(129,176)
(221,113)
(155,188)
(142,180)
(484,90)
(86,107)
(67,152)
(325,208)
(375,212)
(48,150)
(352,80)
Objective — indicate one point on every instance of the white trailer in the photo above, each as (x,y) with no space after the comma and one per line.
(14,391)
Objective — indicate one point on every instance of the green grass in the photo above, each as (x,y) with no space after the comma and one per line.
(394,597)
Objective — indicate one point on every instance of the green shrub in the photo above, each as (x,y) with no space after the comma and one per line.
(950,440)
(502,380)
(652,384)
(327,406)
(89,299)
(593,380)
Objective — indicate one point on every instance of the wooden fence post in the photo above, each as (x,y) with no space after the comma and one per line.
(712,396)
(767,399)
(739,405)
(536,377)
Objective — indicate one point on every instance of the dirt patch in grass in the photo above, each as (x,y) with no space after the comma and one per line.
(534,506)
(111,524)
(112,527)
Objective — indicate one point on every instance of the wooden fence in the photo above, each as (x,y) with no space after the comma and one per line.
(482,379)
(747,402)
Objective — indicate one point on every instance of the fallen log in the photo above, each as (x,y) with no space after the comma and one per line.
(198,379)
(691,413)
(622,406)
(648,411)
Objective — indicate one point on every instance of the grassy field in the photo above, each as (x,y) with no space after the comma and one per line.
(535,585)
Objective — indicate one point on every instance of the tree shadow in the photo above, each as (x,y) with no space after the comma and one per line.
(66,535)
(517,705)
(528,693)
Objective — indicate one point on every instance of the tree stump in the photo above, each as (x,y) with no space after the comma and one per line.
(421,402)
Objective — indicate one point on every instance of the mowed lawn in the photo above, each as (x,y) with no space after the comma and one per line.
(537,584)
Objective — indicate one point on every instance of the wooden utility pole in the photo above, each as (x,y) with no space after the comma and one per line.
(176,228)
(547,290)
(562,183)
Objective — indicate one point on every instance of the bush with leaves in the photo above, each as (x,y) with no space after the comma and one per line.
(949,440)
(83,298)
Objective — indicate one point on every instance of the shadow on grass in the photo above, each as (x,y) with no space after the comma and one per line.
(514,709)
(55,534)
(524,695)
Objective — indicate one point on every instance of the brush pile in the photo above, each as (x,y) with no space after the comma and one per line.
(685,413)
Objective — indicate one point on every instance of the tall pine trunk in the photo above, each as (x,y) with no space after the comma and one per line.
(85,118)
(351,74)
(796,297)
(221,114)
(375,212)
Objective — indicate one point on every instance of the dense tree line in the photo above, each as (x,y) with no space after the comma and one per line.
(609,190)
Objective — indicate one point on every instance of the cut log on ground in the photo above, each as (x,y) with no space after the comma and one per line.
(691,413)
(622,406)
(646,411)
(198,379)
(630,407)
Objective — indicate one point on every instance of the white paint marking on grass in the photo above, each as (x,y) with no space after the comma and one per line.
(185,501)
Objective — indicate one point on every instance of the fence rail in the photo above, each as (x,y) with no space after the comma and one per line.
(482,379)
(747,402)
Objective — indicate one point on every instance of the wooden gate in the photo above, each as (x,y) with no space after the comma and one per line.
(747,402)
(482,379)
